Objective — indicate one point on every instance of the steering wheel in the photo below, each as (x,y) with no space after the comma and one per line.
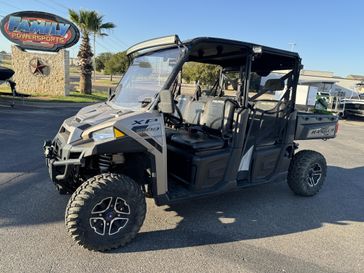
(176,121)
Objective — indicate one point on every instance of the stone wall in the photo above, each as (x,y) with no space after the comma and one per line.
(41,73)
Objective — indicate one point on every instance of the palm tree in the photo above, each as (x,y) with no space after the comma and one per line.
(88,22)
(98,29)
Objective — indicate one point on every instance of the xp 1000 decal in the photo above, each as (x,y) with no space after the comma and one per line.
(150,129)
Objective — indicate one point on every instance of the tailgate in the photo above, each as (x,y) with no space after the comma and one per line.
(315,126)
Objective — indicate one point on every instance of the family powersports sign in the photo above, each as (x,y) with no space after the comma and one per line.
(39,31)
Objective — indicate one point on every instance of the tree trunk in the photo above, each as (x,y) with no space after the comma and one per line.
(111,77)
(85,83)
(85,63)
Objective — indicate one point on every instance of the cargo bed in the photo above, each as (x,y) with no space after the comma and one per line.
(315,126)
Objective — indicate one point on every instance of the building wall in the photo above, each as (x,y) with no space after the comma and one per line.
(346,84)
(317,73)
(55,79)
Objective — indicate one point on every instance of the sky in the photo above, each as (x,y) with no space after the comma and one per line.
(328,35)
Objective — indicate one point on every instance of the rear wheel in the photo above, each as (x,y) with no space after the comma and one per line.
(105,212)
(307,173)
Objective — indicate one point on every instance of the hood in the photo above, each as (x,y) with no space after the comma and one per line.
(88,117)
(96,113)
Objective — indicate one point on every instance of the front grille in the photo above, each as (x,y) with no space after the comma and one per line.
(74,155)
(57,148)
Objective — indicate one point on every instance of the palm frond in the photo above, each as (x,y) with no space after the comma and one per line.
(108,25)
(75,18)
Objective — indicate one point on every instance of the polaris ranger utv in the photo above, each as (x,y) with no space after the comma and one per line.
(155,137)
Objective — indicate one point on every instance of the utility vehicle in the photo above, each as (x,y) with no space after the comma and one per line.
(155,137)
(353,106)
(5,76)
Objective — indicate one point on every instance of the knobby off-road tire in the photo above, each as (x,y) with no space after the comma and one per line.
(307,173)
(105,212)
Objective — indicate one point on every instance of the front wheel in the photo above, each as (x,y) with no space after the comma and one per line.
(105,212)
(307,173)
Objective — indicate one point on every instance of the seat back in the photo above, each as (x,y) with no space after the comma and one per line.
(191,109)
(267,125)
(218,114)
(193,112)
(213,112)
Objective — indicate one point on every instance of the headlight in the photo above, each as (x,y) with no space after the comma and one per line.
(107,133)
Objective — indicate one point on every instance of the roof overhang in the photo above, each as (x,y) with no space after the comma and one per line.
(306,82)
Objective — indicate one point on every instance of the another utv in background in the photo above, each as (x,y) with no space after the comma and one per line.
(155,137)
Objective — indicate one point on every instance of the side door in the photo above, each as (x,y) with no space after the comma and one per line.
(267,127)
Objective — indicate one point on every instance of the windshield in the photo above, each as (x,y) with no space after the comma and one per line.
(145,77)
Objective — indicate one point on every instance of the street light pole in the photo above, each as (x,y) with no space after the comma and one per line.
(292,46)
(94,64)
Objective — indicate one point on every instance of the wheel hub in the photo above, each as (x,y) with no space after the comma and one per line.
(109,216)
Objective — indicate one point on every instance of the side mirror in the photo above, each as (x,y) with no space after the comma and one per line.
(166,104)
(274,85)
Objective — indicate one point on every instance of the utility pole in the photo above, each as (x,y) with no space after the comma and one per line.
(94,62)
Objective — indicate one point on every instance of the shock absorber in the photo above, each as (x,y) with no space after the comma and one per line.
(105,162)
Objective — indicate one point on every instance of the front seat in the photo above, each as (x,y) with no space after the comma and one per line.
(216,122)
(197,141)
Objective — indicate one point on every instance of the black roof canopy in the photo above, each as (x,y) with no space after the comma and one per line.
(229,53)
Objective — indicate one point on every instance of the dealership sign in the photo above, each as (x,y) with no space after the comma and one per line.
(39,31)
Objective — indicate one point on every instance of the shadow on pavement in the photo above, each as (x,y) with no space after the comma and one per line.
(263,211)
(257,212)
(26,196)
(31,199)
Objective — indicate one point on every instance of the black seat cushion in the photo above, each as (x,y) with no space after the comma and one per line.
(197,141)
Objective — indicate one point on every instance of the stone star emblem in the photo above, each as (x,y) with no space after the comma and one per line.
(38,67)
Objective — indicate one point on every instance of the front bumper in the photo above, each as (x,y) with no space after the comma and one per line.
(354,112)
(61,169)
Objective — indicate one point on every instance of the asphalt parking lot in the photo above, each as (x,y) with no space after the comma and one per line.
(260,229)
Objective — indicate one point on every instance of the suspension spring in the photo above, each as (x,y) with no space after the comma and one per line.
(105,163)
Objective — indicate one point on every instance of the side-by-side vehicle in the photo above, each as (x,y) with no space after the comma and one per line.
(157,137)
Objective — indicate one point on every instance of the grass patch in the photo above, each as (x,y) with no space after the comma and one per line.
(5,88)
(106,82)
(74,69)
(75,97)
(6,64)
(79,97)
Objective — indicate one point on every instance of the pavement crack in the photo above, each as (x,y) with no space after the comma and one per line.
(19,175)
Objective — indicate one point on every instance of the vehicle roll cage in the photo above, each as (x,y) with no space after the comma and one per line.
(249,57)
(155,44)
